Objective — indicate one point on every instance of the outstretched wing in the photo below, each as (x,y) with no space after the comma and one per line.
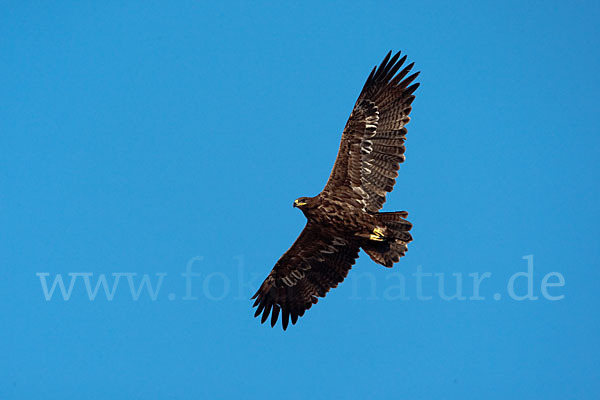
(372,145)
(314,264)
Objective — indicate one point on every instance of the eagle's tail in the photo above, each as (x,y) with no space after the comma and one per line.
(387,248)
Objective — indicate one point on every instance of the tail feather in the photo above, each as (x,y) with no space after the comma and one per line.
(394,245)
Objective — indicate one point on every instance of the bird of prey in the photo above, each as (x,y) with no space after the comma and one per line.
(345,216)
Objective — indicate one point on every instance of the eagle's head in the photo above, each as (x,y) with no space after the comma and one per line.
(304,203)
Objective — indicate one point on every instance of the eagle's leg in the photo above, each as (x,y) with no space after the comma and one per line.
(377,235)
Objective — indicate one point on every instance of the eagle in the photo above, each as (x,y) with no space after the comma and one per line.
(345,217)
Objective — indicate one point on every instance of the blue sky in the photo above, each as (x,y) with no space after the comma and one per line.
(146,137)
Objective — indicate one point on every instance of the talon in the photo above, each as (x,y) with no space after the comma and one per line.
(376,238)
(378,231)
(377,235)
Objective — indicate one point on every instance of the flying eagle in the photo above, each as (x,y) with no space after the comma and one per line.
(345,216)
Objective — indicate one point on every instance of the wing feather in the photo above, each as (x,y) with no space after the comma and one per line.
(313,265)
(372,145)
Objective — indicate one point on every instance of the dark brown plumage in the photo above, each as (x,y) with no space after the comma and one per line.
(345,216)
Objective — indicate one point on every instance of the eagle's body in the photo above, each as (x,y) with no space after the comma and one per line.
(345,216)
(335,215)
